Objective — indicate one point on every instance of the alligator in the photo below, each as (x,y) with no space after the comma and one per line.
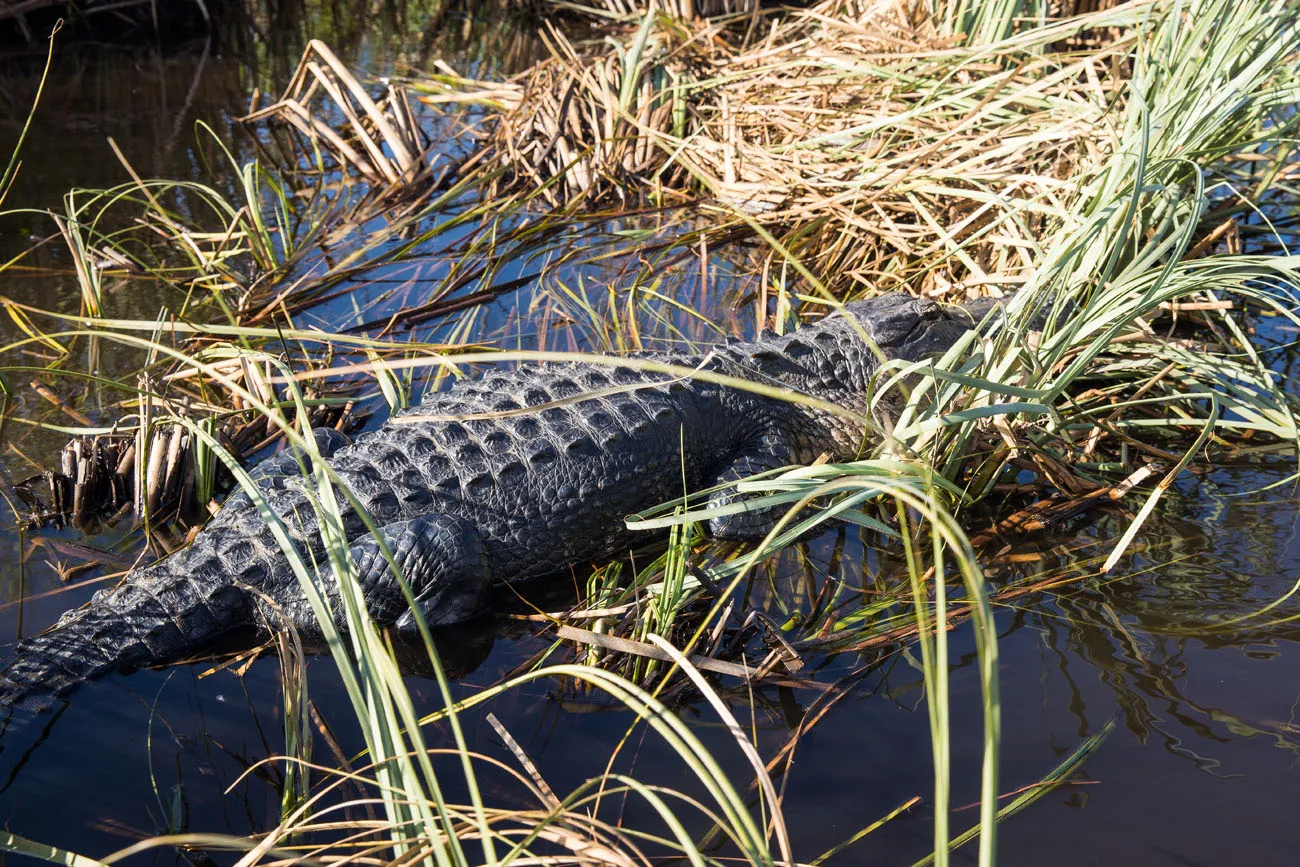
(511,476)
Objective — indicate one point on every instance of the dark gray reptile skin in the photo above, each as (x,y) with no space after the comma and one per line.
(465,502)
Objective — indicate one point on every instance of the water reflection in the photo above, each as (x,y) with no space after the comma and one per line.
(1219,703)
(145,101)
(1156,637)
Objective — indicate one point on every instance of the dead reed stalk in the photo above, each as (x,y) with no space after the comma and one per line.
(377,138)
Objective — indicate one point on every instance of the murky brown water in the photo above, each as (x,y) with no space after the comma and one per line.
(1201,768)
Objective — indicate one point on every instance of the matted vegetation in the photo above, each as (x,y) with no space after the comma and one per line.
(1073,167)
(880,150)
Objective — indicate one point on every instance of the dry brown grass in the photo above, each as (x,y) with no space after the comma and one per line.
(378,138)
(684,9)
(873,148)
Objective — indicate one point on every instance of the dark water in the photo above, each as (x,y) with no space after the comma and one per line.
(1201,767)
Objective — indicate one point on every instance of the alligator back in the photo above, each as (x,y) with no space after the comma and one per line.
(545,481)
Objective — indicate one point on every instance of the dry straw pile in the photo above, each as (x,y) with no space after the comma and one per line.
(902,156)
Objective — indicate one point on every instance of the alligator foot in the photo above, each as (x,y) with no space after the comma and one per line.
(444,563)
(769,452)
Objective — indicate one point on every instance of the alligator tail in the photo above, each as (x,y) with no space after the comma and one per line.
(148,619)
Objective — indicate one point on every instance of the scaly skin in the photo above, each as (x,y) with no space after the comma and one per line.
(463,497)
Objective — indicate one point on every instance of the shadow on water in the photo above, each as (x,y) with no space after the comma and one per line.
(1201,771)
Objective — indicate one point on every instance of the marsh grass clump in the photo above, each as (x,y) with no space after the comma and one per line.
(383,143)
(879,151)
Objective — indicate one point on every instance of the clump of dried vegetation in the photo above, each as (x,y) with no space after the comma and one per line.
(1071,164)
(882,149)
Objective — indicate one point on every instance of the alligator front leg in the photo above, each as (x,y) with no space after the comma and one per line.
(443,561)
(770,451)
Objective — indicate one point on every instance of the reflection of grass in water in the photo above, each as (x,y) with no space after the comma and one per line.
(11,168)
(1106,241)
